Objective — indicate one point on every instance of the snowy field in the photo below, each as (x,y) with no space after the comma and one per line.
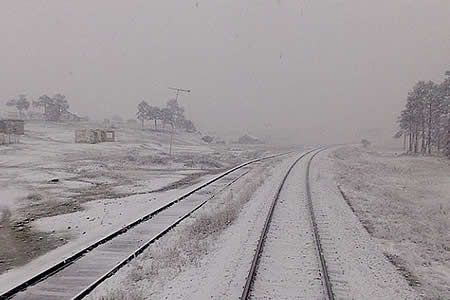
(384,215)
(404,203)
(54,192)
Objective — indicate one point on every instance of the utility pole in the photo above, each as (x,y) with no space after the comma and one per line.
(178,90)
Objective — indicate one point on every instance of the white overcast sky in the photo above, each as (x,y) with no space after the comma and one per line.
(315,70)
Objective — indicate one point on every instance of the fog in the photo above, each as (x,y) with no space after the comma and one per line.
(311,71)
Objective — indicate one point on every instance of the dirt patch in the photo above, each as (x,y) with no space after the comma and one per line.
(107,191)
(40,204)
(20,243)
(97,191)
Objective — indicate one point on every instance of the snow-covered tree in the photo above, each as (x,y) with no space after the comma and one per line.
(167,117)
(143,112)
(61,102)
(177,112)
(20,103)
(189,126)
(424,122)
(43,101)
(154,113)
(54,107)
(172,114)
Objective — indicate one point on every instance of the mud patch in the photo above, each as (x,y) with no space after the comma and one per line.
(40,205)
(98,191)
(20,243)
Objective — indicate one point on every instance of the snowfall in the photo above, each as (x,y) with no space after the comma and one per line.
(370,203)
(383,216)
(57,197)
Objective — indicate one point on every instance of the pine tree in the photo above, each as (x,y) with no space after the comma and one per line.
(143,112)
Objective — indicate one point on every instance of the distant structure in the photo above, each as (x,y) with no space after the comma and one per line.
(94,136)
(12,126)
(248,139)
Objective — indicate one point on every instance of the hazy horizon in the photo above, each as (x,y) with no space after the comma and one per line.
(313,71)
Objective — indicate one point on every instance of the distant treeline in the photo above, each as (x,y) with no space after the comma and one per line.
(425,121)
(172,114)
(54,108)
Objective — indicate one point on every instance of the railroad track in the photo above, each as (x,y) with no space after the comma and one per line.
(78,275)
(324,287)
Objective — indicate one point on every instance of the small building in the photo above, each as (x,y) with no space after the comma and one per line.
(248,139)
(110,136)
(6,139)
(12,126)
(94,136)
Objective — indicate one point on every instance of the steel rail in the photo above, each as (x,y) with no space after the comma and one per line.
(318,244)
(71,259)
(141,249)
(259,248)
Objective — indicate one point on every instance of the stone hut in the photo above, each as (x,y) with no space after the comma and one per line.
(94,136)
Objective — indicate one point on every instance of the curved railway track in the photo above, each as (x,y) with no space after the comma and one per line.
(325,279)
(78,275)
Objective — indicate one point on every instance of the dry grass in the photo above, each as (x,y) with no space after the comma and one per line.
(403,201)
(122,295)
(191,240)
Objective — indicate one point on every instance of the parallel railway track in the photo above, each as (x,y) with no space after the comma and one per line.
(325,279)
(78,275)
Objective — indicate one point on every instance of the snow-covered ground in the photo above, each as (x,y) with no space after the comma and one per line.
(395,222)
(404,203)
(208,256)
(99,187)
(356,265)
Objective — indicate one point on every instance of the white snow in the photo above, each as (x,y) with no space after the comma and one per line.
(357,266)
(404,202)
(219,269)
(186,266)
(133,167)
(100,219)
(9,200)
(288,267)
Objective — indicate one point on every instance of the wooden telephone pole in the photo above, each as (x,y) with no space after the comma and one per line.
(178,90)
